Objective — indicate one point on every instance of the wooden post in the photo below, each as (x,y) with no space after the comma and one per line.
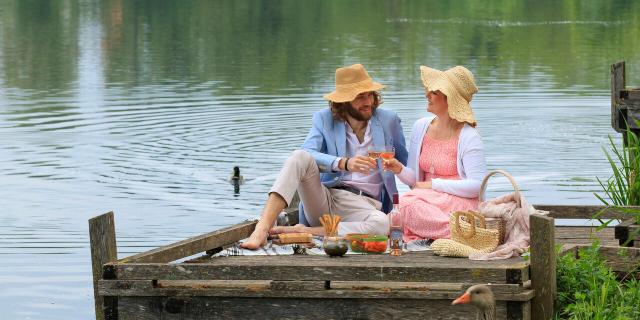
(543,266)
(102,237)
(617,84)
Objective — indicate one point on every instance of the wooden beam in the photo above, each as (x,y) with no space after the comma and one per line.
(583,211)
(264,289)
(619,259)
(309,269)
(625,260)
(288,285)
(617,84)
(543,266)
(102,239)
(632,96)
(185,307)
(191,246)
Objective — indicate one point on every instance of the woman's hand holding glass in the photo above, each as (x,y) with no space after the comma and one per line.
(392,165)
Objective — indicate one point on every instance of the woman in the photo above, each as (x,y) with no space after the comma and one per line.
(446,162)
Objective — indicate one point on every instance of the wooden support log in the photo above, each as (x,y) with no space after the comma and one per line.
(620,259)
(186,307)
(313,289)
(288,285)
(318,268)
(102,238)
(543,266)
(617,84)
(582,212)
(631,96)
(191,246)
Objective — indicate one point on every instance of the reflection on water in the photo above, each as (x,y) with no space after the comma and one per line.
(145,107)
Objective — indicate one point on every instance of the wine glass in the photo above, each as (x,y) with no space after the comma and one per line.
(388,154)
(374,152)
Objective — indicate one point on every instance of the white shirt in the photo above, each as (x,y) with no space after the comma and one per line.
(370,183)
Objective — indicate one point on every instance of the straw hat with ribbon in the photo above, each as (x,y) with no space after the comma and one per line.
(350,82)
(457,84)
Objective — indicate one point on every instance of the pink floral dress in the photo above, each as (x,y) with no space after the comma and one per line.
(425,212)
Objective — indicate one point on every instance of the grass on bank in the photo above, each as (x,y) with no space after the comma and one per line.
(588,289)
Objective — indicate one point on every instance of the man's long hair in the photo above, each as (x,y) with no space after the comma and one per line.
(339,109)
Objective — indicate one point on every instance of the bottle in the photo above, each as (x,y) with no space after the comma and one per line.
(395,228)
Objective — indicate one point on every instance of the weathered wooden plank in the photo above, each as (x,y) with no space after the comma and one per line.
(262,289)
(573,232)
(586,242)
(296,308)
(626,260)
(620,259)
(289,285)
(198,271)
(571,249)
(543,266)
(409,259)
(584,235)
(102,239)
(191,246)
(632,96)
(581,211)
(504,290)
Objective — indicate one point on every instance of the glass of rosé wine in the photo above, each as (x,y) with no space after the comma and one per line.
(388,154)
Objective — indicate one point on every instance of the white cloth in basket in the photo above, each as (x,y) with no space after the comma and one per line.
(516,239)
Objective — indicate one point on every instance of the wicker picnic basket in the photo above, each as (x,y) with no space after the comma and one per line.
(461,229)
(472,231)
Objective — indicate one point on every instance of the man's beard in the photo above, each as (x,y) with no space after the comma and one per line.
(357,115)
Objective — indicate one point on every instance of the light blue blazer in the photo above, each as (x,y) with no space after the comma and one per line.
(327,140)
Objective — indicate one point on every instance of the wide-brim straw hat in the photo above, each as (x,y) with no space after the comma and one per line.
(458,85)
(350,82)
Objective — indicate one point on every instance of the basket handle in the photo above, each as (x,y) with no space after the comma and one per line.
(471,216)
(483,186)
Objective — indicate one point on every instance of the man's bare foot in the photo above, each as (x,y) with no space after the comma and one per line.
(288,229)
(257,239)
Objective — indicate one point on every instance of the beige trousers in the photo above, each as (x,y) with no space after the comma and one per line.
(360,214)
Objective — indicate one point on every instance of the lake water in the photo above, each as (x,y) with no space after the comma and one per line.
(144,107)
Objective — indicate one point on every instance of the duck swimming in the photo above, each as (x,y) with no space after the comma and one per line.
(236,178)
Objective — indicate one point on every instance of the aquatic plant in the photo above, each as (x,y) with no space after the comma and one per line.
(623,187)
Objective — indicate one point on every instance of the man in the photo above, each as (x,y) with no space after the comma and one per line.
(332,173)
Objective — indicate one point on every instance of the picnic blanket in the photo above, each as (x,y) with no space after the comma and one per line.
(271,249)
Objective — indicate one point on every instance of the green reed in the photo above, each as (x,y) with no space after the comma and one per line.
(623,187)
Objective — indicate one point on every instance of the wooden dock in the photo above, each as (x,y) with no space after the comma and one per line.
(416,285)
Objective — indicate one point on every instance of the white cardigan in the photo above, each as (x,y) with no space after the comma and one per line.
(472,166)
